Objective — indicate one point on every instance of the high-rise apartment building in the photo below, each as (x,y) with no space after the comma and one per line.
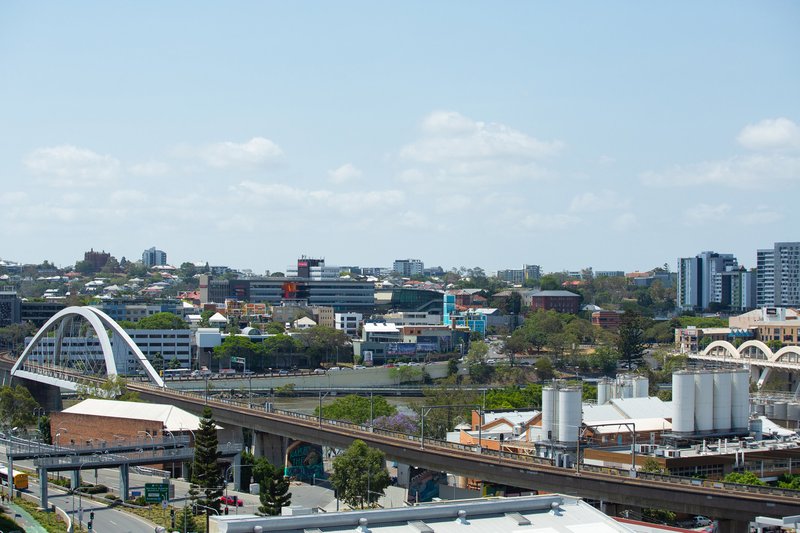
(778,277)
(699,279)
(531,272)
(408,267)
(152,257)
(516,277)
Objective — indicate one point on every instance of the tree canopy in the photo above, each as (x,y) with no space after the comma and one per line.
(360,475)
(356,409)
(17,407)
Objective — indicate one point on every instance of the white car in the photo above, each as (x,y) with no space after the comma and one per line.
(359,367)
(701,521)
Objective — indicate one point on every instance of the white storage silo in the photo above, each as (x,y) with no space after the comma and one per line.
(625,388)
(605,390)
(722,401)
(769,410)
(740,399)
(683,402)
(756,427)
(549,415)
(641,387)
(569,414)
(704,401)
(793,411)
(780,410)
(760,409)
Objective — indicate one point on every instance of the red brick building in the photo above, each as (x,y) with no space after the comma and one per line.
(561,301)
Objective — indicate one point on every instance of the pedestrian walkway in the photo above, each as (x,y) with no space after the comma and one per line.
(24,519)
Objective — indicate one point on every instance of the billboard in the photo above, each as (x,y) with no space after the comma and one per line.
(401,348)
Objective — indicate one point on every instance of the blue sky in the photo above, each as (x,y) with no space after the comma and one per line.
(618,135)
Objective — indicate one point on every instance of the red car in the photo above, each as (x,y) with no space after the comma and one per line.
(231,500)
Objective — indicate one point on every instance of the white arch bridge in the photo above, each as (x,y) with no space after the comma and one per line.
(753,354)
(68,344)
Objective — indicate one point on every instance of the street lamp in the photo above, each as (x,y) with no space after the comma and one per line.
(80,499)
(147,433)
(58,434)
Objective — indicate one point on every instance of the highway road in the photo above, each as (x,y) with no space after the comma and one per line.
(106,519)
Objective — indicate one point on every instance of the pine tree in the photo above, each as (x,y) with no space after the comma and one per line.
(185,520)
(274,490)
(205,472)
(630,343)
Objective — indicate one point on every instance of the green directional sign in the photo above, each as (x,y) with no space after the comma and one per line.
(241,360)
(156,492)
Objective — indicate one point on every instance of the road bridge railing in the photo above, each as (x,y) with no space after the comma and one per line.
(504,456)
(484,455)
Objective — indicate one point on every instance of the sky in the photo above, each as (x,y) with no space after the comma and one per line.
(616,135)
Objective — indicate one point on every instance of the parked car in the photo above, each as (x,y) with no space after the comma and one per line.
(319,371)
(359,367)
(231,500)
(334,369)
(701,521)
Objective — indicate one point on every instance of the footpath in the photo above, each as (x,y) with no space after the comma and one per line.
(23,518)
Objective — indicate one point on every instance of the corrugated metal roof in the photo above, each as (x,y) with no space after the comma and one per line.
(173,418)
(642,407)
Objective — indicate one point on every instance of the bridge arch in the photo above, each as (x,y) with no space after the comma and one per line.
(788,354)
(99,322)
(725,346)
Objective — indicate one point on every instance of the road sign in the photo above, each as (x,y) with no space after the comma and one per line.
(156,492)
(241,360)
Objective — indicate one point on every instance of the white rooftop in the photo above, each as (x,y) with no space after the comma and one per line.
(172,418)
(552,513)
(515,417)
(381,327)
(641,424)
(217,318)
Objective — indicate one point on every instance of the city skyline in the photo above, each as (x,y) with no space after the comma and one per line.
(617,136)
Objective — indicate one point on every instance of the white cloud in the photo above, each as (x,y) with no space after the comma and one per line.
(127,197)
(771,134)
(761,214)
(149,169)
(744,172)
(284,197)
(451,136)
(545,222)
(456,149)
(256,152)
(70,166)
(769,166)
(625,222)
(590,202)
(705,214)
(13,198)
(345,173)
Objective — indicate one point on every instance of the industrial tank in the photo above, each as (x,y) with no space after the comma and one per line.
(605,391)
(704,401)
(756,427)
(549,415)
(780,410)
(683,402)
(740,398)
(641,387)
(793,411)
(569,414)
(722,401)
